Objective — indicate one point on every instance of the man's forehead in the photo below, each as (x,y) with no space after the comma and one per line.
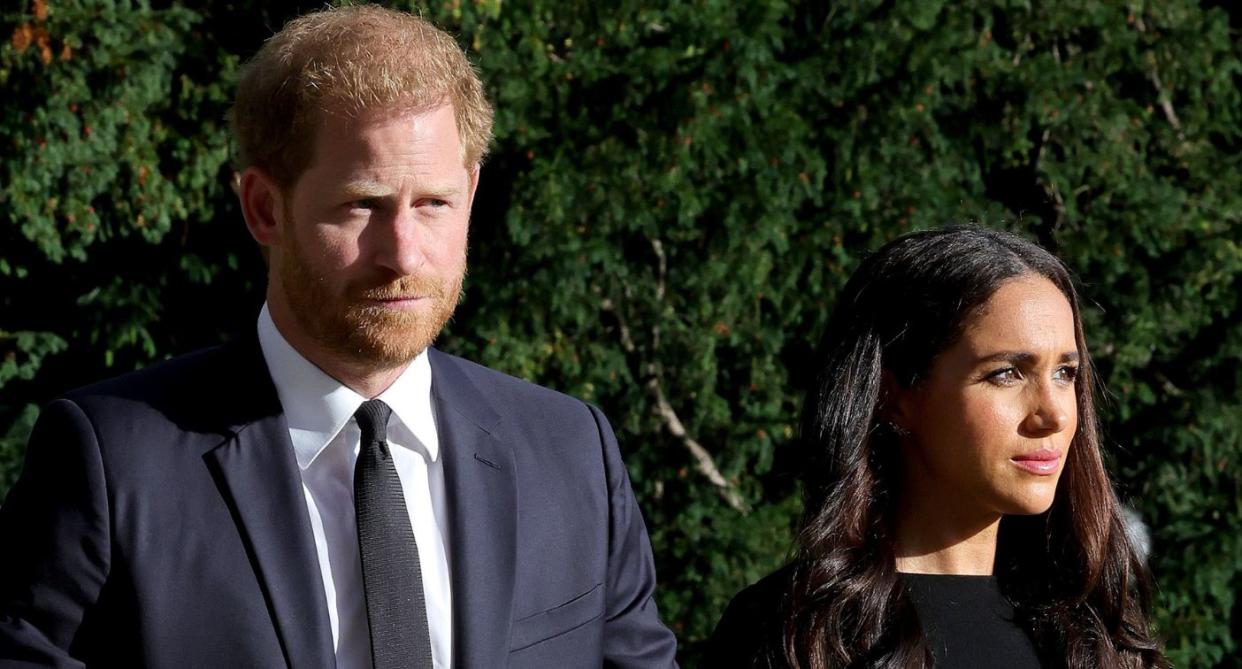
(430,137)
(376,130)
(335,115)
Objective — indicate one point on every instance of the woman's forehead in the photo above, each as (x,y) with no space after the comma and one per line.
(1026,314)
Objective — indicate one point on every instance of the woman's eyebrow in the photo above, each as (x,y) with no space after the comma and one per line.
(1023,357)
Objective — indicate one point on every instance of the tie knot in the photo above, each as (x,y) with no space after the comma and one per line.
(372,419)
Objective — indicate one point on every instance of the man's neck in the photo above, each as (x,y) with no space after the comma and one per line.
(367,379)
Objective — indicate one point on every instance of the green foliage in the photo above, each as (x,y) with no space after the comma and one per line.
(676,195)
(13,443)
(26,355)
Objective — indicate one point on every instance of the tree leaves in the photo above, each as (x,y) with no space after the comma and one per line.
(676,195)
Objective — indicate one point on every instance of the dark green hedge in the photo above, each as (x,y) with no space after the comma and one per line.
(676,195)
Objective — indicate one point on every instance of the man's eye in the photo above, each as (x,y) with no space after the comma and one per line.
(364,203)
(435,202)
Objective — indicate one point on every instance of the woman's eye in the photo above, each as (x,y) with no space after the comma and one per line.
(1005,377)
(1067,373)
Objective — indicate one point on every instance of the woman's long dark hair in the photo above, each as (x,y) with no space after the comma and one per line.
(1076,583)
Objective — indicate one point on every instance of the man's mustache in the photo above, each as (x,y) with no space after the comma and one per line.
(406,287)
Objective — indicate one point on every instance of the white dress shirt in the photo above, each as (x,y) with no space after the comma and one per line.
(326,439)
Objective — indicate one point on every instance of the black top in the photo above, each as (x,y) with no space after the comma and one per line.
(966,620)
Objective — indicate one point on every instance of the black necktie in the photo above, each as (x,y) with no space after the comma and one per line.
(391,578)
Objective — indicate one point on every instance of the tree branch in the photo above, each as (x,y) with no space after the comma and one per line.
(706,464)
(1163,97)
(672,422)
(1050,188)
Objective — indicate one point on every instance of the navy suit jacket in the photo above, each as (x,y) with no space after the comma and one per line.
(160,522)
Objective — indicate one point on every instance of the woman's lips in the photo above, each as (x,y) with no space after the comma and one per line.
(1043,462)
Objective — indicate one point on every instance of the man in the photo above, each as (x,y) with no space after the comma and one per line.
(332,491)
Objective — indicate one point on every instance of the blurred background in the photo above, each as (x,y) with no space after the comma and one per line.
(676,194)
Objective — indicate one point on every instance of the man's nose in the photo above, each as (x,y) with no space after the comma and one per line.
(399,242)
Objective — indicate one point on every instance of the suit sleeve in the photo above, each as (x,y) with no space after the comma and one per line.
(633,634)
(54,530)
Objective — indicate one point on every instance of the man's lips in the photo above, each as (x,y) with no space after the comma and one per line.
(1043,462)
(398,302)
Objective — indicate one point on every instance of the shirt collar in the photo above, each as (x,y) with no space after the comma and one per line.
(317,407)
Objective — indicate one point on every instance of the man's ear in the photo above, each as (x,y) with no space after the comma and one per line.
(262,205)
(474,182)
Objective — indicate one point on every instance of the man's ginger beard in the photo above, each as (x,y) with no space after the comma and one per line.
(348,325)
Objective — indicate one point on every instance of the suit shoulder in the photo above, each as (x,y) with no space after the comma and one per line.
(204,391)
(190,369)
(508,390)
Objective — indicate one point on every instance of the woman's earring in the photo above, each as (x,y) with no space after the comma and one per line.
(897,429)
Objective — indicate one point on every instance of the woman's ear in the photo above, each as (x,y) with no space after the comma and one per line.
(898,403)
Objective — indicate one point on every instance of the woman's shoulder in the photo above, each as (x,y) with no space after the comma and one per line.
(749,633)
(766,595)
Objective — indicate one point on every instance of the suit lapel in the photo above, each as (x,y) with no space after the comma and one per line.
(482,500)
(259,478)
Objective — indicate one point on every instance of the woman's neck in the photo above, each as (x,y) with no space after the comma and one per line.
(935,536)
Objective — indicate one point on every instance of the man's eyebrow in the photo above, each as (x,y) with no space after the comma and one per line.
(445,191)
(363,189)
(1024,357)
(359,190)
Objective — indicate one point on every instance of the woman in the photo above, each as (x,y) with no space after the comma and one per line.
(957,511)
